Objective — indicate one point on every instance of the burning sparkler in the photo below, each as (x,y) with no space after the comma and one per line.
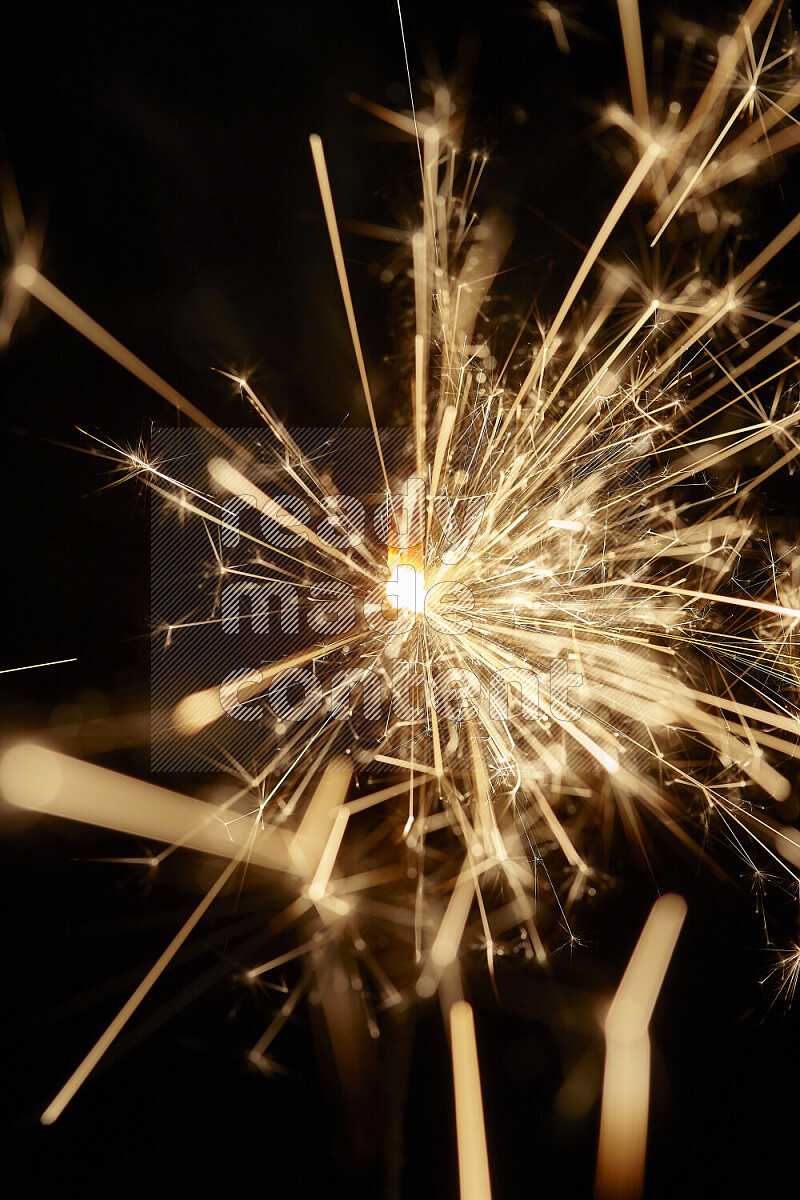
(569,614)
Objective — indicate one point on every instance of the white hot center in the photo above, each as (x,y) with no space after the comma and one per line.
(406,588)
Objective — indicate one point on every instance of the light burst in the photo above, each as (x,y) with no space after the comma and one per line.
(584,618)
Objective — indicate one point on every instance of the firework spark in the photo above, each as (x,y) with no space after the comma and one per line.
(578,615)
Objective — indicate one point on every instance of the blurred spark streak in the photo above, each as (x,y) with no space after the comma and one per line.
(626,1081)
(551,14)
(42,780)
(473,1158)
(634,57)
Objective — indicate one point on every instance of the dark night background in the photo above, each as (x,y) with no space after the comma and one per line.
(165,152)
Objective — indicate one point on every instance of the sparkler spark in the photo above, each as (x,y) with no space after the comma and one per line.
(578,615)
(623,1124)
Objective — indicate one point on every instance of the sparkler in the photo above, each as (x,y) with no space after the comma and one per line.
(593,624)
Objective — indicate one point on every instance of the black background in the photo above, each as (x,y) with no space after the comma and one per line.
(165,151)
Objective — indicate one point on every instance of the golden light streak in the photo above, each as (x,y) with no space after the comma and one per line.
(321,169)
(419,403)
(56,662)
(46,293)
(322,826)
(699,170)
(629,190)
(319,883)
(226,475)
(80,1075)
(442,443)
(552,15)
(41,780)
(201,709)
(634,57)
(473,1158)
(626,1082)
(448,938)
(714,92)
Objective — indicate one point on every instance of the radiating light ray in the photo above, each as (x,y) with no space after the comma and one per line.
(321,169)
(56,662)
(41,780)
(473,1159)
(81,1073)
(46,293)
(626,1083)
(634,56)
